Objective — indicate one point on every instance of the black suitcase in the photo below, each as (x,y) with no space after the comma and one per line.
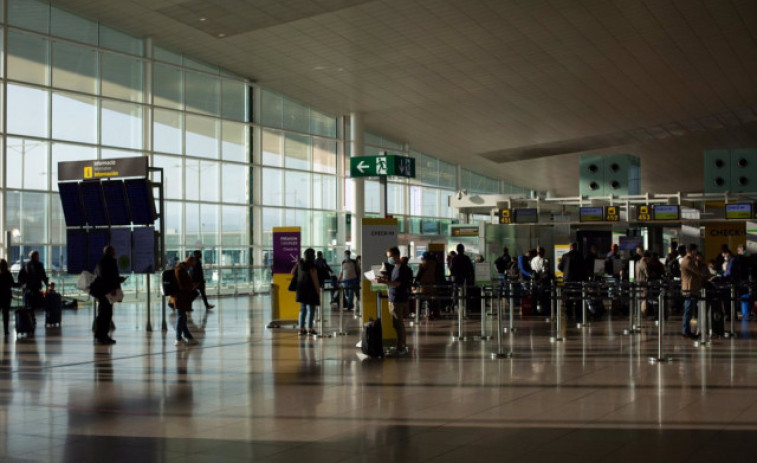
(717,317)
(372,343)
(53,309)
(24,322)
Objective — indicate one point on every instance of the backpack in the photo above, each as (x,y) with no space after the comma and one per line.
(169,286)
(673,268)
(502,263)
(513,272)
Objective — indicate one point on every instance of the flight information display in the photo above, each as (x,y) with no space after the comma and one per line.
(738,211)
(70,201)
(120,239)
(662,212)
(591,214)
(98,239)
(94,204)
(141,201)
(77,254)
(526,215)
(115,199)
(144,250)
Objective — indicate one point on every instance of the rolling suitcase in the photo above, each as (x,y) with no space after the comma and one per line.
(372,343)
(527,305)
(24,322)
(53,309)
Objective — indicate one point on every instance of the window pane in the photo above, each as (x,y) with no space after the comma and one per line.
(202,136)
(447,175)
(121,124)
(297,191)
(297,149)
(29,14)
(167,134)
(324,228)
(74,117)
(271,218)
(372,199)
(64,152)
(174,223)
(209,224)
(296,116)
(322,124)
(167,86)
(273,189)
(395,193)
(74,67)
(173,172)
(118,41)
(27,212)
(272,148)
(416,200)
(28,58)
(234,143)
(324,192)
(201,180)
(234,100)
(200,66)
(430,206)
(202,93)
(272,107)
(324,156)
(161,54)
(302,219)
(26,164)
(70,26)
(58,223)
(29,108)
(234,185)
(112,153)
(122,77)
(234,226)
(192,225)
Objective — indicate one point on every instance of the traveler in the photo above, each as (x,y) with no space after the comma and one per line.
(461,268)
(524,264)
(589,260)
(502,263)
(182,300)
(349,277)
(198,279)
(32,275)
(574,272)
(108,282)
(642,278)
(6,293)
(308,291)
(429,277)
(322,267)
(693,275)
(398,280)
(611,262)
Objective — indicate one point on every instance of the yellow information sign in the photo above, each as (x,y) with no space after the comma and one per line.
(643,213)
(612,214)
(505,216)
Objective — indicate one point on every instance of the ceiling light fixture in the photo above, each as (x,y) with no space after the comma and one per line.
(203,19)
(221,35)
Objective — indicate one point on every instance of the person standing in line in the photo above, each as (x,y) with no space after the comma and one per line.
(198,278)
(572,266)
(323,268)
(6,293)
(398,282)
(348,276)
(308,291)
(182,300)
(109,281)
(502,263)
(693,275)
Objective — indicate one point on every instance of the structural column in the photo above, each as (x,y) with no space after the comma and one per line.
(356,149)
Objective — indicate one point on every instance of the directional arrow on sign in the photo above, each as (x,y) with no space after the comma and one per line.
(362,166)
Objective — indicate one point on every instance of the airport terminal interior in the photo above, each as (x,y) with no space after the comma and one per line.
(251,130)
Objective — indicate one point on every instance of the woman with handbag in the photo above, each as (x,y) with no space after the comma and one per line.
(106,288)
(308,290)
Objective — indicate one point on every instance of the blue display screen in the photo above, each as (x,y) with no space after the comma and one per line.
(115,199)
(70,201)
(94,204)
(144,250)
(526,215)
(98,239)
(141,201)
(77,254)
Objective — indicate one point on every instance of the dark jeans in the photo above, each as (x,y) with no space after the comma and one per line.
(201,290)
(6,308)
(307,313)
(181,325)
(689,304)
(104,318)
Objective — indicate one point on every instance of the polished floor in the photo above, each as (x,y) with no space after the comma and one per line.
(247,393)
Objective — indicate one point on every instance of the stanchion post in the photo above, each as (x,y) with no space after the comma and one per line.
(558,325)
(584,323)
(500,353)
(511,328)
(322,308)
(553,301)
(341,331)
(484,335)
(702,322)
(460,292)
(732,333)
(661,358)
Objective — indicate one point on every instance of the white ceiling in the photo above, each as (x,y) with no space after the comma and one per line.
(513,89)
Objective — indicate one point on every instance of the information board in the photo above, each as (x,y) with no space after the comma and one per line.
(505,216)
(461,231)
(94,204)
(98,239)
(141,201)
(143,252)
(286,248)
(612,214)
(663,212)
(591,214)
(526,215)
(120,239)
(77,252)
(70,201)
(643,213)
(115,200)
(738,211)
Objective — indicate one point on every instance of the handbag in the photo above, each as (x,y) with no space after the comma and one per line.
(293,281)
(85,280)
(115,296)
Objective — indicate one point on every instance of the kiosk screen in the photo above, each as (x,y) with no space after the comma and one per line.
(738,211)
(591,214)
(662,212)
(70,201)
(526,216)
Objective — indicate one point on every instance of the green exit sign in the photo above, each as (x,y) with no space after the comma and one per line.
(381,166)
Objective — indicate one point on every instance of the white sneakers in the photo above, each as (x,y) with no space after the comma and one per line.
(188,342)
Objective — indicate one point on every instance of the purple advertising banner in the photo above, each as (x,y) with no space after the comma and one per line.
(286,248)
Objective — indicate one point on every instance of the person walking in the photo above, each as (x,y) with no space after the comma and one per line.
(308,291)
(198,278)
(572,265)
(182,300)
(6,293)
(108,281)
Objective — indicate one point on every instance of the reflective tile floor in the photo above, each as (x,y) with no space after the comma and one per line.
(251,394)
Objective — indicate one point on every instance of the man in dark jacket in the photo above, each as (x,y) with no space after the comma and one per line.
(32,277)
(572,265)
(198,279)
(109,280)
(503,265)
(461,267)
